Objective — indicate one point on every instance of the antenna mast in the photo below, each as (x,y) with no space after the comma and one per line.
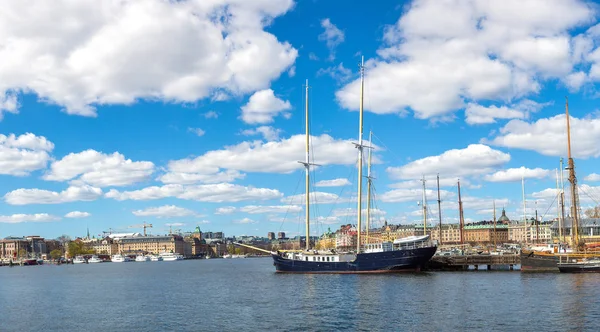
(307,164)
(424,208)
(360,155)
(369,180)
(573,181)
(462,219)
(439,206)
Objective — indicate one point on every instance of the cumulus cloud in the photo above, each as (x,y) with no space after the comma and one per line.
(332,36)
(19,218)
(474,159)
(225,210)
(40,196)
(333,183)
(271,157)
(165,211)
(267,132)
(93,53)
(478,114)
(8,104)
(21,155)
(263,106)
(244,221)
(255,209)
(316,197)
(441,55)
(516,174)
(197,131)
(99,169)
(77,214)
(593,177)
(548,136)
(216,193)
(190,178)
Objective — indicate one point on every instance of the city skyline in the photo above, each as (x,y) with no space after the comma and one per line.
(192,113)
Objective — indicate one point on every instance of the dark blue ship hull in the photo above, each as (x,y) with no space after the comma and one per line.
(380,262)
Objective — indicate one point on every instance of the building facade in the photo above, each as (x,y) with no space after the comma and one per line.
(151,244)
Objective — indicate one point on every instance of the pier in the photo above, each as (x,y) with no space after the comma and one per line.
(473,262)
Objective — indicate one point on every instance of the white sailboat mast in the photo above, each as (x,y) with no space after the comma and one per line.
(369,180)
(424,208)
(307,169)
(360,156)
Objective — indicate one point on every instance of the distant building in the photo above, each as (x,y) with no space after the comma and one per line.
(271,236)
(105,246)
(281,236)
(12,247)
(486,233)
(151,244)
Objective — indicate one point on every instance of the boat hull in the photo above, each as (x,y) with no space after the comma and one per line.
(532,261)
(407,260)
(579,268)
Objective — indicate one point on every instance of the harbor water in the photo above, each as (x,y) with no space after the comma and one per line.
(247,295)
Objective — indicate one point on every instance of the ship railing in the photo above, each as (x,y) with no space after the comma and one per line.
(414,245)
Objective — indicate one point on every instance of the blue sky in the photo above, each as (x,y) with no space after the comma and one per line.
(191,113)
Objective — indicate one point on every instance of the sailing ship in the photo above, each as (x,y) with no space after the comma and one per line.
(407,254)
(554,257)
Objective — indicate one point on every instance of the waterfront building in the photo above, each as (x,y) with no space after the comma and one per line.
(151,244)
(589,230)
(450,234)
(271,236)
(486,233)
(105,246)
(281,236)
(15,247)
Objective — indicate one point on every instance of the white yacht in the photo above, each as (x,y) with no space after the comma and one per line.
(156,258)
(118,258)
(142,258)
(95,259)
(78,260)
(169,256)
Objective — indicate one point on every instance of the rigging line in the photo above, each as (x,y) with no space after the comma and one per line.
(588,195)
(549,207)
(387,148)
(290,204)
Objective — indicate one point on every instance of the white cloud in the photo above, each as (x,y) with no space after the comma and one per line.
(515,174)
(352,212)
(431,182)
(197,131)
(267,132)
(478,114)
(92,53)
(19,218)
(548,136)
(316,197)
(333,183)
(175,224)
(263,106)
(271,157)
(332,36)
(21,155)
(40,196)
(411,195)
(165,211)
(504,50)
(191,178)
(99,169)
(225,210)
(594,177)
(211,115)
(339,73)
(8,104)
(312,56)
(474,159)
(244,221)
(77,214)
(216,193)
(254,209)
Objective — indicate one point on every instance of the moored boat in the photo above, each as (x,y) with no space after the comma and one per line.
(156,258)
(169,256)
(95,259)
(79,260)
(142,258)
(118,258)
(579,266)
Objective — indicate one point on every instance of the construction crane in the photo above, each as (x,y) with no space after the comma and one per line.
(144,226)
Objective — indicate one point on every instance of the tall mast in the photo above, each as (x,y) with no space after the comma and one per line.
(439,207)
(537,225)
(524,202)
(461,216)
(495,234)
(562,198)
(424,208)
(307,170)
(573,181)
(360,154)
(558,208)
(369,179)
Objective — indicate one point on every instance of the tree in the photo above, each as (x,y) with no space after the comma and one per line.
(63,239)
(593,212)
(56,253)
(79,248)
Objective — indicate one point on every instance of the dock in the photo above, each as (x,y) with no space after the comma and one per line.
(474,262)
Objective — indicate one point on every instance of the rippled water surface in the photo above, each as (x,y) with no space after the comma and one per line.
(246,295)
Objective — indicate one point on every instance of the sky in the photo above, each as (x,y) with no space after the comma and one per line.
(187,113)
